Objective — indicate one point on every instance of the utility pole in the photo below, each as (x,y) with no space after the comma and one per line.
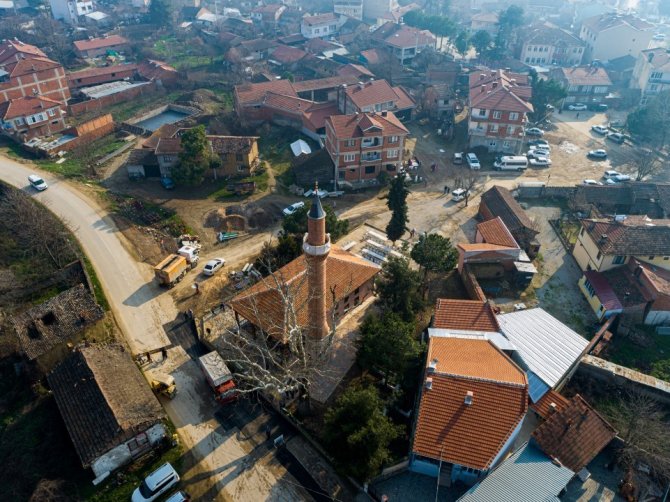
(439,470)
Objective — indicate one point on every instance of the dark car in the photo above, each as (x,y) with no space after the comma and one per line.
(616,137)
(167,183)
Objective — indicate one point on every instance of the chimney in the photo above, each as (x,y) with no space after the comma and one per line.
(552,408)
(469,396)
(483,89)
(494,85)
(482,76)
(603,237)
(432,366)
(384,114)
(493,73)
(429,383)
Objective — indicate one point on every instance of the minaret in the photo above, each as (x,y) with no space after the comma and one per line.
(316,245)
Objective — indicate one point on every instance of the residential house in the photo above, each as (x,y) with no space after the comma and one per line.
(321,25)
(404,42)
(355,70)
(258,49)
(110,413)
(499,103)
(547,44)
(158,71)
(633,198)
(484,21)
(651,73)
(613,35)
(574,435)
(56,322)
(498,201)
(473,402)
(30,117)
(94,47)
(238,154)
(364,145)
(583,84)
(349,8)
(26,71)
(286,57)
(528,474)
(376,9)
(167,153)
(620,70)
(101,75)
(375,96)
(71,11)
(268,15)
(604,244)
(545,348)
(354,31)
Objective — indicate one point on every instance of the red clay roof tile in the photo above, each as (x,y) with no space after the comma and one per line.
(496,232)
(473,315)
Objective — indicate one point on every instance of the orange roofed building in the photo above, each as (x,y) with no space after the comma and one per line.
(474,400)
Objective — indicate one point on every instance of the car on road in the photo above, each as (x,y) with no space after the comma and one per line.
(599,129)
(599,154)
(213,266)
(540,162)
(591,182)
(534,154)
(473,161)
(156,484)
(616,137)
(534,131)
(578,107)
(167,183)
(37,183)
(459,194)
(622,177)
(546,148)
(611,174)
(288,211)
(538,142)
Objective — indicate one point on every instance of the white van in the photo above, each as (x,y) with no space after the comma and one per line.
(511,163)
(459,194)
(472,161)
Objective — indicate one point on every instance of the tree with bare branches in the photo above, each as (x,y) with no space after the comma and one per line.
(646,163)
(467,179)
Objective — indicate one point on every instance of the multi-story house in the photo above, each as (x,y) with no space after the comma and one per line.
(375,96)
(376,9)
(583,84)
(485,21)
(405,42)
(268,15)
(70,11)
(363,145)
(31,117)
(499,103)
(26,71)
(349,8)
(321,25)
(550,45)
(611,35)
(651,73)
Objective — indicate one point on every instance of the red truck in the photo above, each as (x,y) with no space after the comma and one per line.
(219,377)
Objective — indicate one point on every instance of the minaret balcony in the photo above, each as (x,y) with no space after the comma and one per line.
(311,250)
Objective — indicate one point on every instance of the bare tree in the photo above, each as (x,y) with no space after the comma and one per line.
(646,163)
(467,179)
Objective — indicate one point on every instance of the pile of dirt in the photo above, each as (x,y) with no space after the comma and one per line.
(256,216)
(222,222)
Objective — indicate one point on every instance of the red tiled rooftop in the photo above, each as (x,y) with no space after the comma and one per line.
(9,49)
(472,315)
(357,126)
(254,93)
(603,290)
(496,232)
(24,106)
(544,406)
(105,70)
(286,54)
(100,43)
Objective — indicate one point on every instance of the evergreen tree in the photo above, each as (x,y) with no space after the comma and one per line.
(195,157)
(434,253)
(398,288)
(160,12)
(397,203)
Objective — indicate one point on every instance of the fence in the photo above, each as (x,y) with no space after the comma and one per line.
(100,103)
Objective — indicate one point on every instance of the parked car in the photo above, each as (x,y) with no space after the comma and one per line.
(213,266)
(610,174)
(622,177)
(538,142)
(457,158)
(616,137)
(599,154)
(598,129)
(473,161)
(540,162)
(180,496)
(156,484)
(578,107)
(591,182)
(534,154)
(534,131)
(599,107)
(288,211)
(167,183)
(459,194)
(37,183)
(546,148)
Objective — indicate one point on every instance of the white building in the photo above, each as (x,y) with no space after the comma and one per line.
(547,44)
(321,25)
(69,11)
(375,9)
(349,8)
(611,36)
(651,73)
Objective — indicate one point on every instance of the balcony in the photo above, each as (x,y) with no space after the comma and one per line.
(371,142)
(371,157)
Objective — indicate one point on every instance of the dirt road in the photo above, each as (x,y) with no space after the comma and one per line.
(223,468)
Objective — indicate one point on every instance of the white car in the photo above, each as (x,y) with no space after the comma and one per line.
(591,182)
(534,154)
(534,131)
(37,183)
(598,129)
(473,161)
(540,162)
(459,194)
(546,148)
(611,175)
(622,177)
(213,266)
(180,496)
(599,154)
(288,211)
(578,107)
(156,484)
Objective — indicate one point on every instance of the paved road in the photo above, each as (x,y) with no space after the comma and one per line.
(226,466)
(136,301)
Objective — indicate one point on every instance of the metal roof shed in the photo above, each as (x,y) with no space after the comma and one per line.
(545,346)
(527,475)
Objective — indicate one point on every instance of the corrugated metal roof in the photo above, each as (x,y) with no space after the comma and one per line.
(528,475)
(546,346)
(496,338)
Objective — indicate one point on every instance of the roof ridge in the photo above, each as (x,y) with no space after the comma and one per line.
(480,379)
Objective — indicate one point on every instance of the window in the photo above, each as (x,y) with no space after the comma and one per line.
(618,260)
(656,74)
(241,168)
(167,158)
(589,288)
(333,27)
(527,60)
(493,127)
(316,30)
(349,157)
(18,122)
(514,116)
(600,89)
(482,112)
(239,157)
(393,139)
(378,107)
(51,112)
(392,154)
(350,142)
(653,87)
(586,88)
(340,175)
(497,114)
(370,169)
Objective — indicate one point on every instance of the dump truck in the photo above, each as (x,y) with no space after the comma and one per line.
(171,270)
(219,377)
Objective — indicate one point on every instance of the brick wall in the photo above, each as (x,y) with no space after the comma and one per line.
(90,105)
